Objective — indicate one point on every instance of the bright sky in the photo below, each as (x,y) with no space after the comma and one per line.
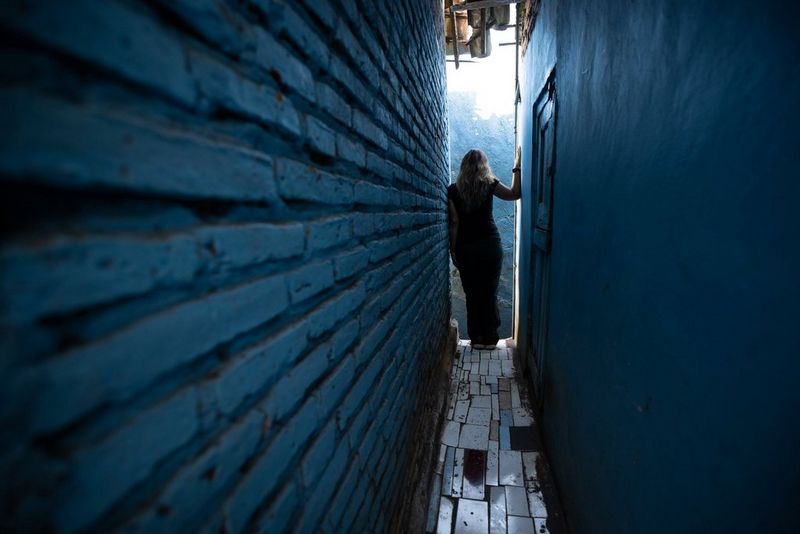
(491,78)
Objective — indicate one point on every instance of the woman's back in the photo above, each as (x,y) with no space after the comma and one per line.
(476,223)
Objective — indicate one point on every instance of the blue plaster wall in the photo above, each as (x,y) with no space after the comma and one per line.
(671,381)
(224,261)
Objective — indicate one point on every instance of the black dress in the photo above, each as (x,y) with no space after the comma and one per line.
(479,254)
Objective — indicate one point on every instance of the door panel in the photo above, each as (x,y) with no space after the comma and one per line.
(541,224)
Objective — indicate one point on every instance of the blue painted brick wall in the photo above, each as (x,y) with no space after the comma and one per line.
(224,260)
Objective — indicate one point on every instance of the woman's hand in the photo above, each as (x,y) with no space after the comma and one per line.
(518,157)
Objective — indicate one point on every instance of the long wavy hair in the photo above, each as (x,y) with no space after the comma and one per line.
(474,178)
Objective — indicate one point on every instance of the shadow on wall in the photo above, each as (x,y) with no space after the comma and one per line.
(495,136)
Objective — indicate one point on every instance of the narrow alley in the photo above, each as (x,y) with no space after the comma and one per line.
(256,255)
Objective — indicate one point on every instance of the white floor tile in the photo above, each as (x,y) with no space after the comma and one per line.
(521,415)
(510,468)
(474,437)
(536,503)
(440,461)
(520,525)
(458,473)
(460,413)
(492,460)
(515,400)
(529,465)
(472,517)
(540,524)
(482,401)
(452,429)
(445,516)
(516,501)
(479,416)
(497,511)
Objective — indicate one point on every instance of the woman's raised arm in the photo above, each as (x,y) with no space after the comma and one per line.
(503,192)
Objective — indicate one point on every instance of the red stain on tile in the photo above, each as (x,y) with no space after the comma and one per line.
(474,466)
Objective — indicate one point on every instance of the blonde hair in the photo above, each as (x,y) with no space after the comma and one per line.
(474,178)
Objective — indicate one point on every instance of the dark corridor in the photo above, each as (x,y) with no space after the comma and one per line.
(225,282)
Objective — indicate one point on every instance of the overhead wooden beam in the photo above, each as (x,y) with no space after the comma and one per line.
(455,34)
(482,4)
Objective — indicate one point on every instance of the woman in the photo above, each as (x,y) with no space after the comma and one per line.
(475,242)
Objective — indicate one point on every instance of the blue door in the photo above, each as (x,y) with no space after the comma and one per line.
(542,176)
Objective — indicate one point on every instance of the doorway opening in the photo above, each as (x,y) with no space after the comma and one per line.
(481,107)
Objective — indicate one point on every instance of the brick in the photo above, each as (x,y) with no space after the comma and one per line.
(321,138)
(394,291)
(380,276)
(396,153)
(244,245)
(349,263)
(279,515)
(259,365)
(332,311)
(101,474)
(323,10)
(225,87)
(67,274)
(372,310)
(324,488)
(359,496)
(357,431)
(328,233)
(379,166)
(350,150)
(369,130)
(263,477)
(274,57)
(333,104)
(84,146)
(382,249)
(344,338)
(340,71)
(363,224)
(291,389)
(116,37)
(369,193)
(335,386)
(157,344)
(284,18)
(343,500)
(370,445)
(309,280)
(214,20)
(373,338)
(298,181)
(357,393)
(194,488)
(318,455)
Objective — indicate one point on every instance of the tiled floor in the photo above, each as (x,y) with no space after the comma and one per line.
(489,471)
